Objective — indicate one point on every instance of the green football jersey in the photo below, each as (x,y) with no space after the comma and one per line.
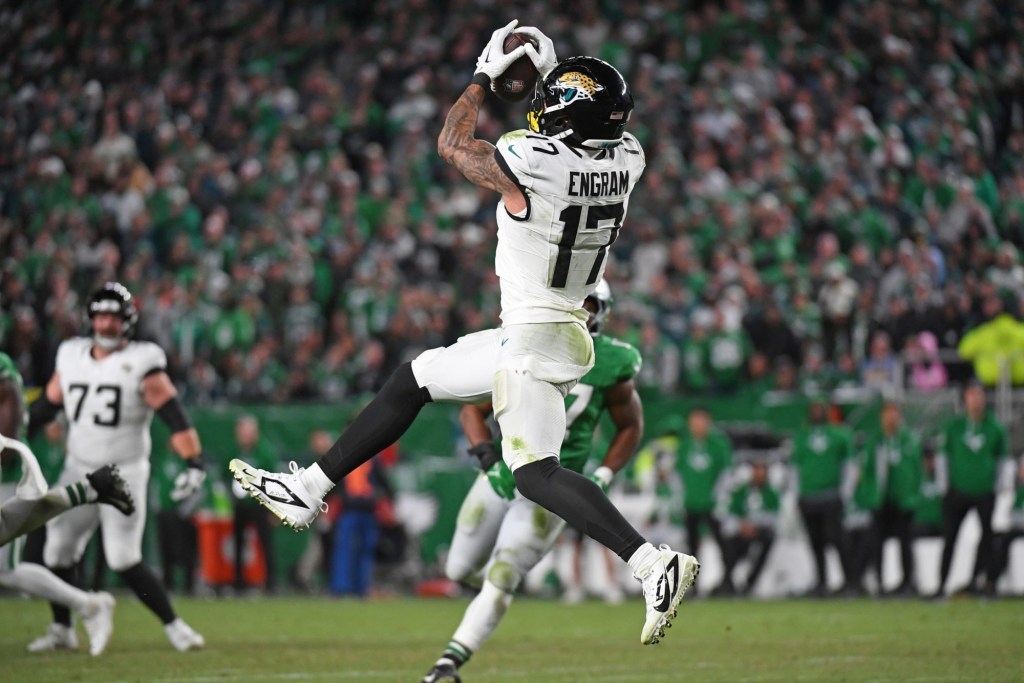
(8,372)
(614,361)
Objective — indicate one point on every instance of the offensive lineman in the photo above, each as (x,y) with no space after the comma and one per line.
(564,188)
(504,534)
(31,505)
(109,387)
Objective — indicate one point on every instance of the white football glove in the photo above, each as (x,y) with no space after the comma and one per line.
(187,483)
(493,61)
(544,58)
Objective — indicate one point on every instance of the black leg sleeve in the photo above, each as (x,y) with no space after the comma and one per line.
(379,425)
(71,576)
(151,592)
(580,502)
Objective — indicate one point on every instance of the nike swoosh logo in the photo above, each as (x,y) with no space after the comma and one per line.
(503,341)
(292,499)
(668,585)
(514,152)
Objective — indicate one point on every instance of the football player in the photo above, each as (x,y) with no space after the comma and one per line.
(564,187)
(501,535)
(108,387)
(29,506)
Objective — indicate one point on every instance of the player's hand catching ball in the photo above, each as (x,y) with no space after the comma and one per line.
(493,61)
(188,482)
(544,58)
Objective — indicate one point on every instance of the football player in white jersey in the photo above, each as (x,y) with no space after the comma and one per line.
(564,187)
(109,386)
(28,505)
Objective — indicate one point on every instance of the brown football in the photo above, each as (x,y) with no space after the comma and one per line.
(516,84)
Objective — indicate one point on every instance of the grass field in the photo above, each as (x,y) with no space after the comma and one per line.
(312,640)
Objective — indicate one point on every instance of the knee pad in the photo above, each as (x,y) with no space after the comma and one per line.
(505,575)
(459,571)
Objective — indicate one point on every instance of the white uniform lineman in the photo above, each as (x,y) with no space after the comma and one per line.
(108,423)
(108,387)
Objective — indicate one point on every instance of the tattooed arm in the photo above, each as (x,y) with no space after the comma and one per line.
(475,158)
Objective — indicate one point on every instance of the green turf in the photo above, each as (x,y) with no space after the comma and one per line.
(313,640)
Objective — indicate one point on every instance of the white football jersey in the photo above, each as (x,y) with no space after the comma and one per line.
(108,422)
(550,259)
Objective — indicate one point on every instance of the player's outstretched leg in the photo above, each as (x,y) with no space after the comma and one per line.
(296,497)
(19,516)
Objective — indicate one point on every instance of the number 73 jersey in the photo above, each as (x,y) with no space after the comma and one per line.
(108,420)
(550,258)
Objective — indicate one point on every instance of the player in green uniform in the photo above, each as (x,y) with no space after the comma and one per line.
(31,505)
(825,472)
(501,535)
(974,446)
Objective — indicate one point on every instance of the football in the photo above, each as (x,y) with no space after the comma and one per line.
(516,84)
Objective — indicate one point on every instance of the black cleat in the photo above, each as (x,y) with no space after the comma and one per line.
(112,489)
(444,670)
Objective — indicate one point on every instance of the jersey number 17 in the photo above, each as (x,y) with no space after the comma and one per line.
(590,218)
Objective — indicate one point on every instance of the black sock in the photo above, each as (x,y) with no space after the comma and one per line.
(379,425)
(62,613)
(580,502)
(151,592)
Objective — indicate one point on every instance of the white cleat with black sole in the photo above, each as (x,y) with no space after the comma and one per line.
(282,493)
(665,582)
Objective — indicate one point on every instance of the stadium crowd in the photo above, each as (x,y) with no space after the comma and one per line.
(828,185)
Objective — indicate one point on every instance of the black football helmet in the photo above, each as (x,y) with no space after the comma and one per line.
(113,297)
(583,102)
(602,298)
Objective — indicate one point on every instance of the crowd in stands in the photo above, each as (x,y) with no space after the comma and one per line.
(828,185)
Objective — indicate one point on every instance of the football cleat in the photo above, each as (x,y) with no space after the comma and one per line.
(98,619)
(57,637)
(665,582)
(444,670)
(282,493)
(183,637)
(112,489)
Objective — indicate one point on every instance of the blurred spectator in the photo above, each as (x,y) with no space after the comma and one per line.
(728,350)
(973,446)
(837,298)
(319,549)
(704,459)
(995,347)
(893,466)
(927,373)
(880,371)
(748,508)
(824,471)
(357,531)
